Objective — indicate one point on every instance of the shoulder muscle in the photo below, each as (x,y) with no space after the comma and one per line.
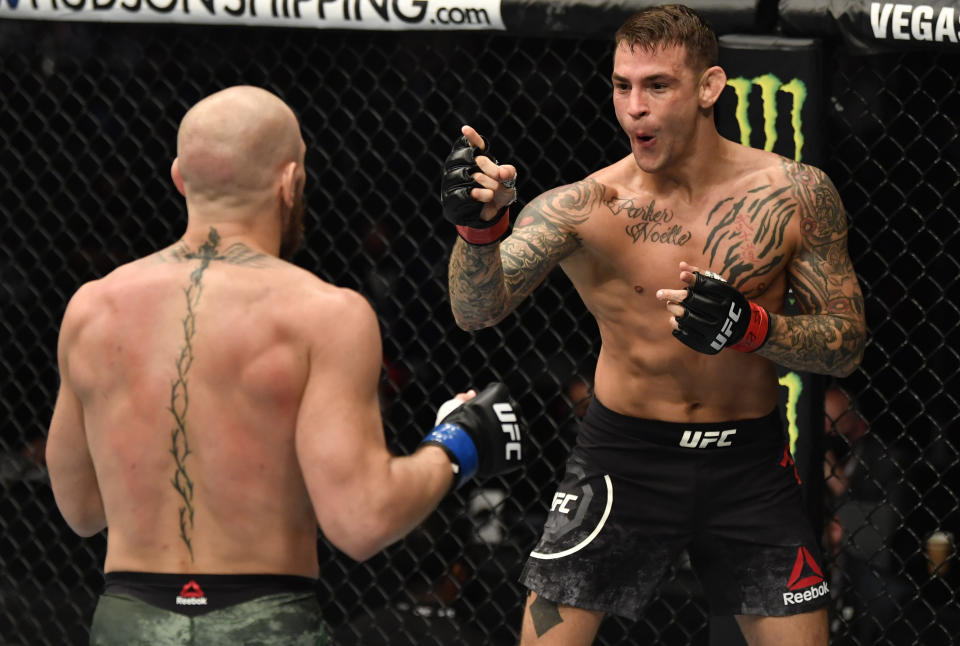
(821,214)
(546,232)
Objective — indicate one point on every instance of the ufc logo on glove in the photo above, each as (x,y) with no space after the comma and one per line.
(509,426)
(704,326)
(481,436)
(724,334)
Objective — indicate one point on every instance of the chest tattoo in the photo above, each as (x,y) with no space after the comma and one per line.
(648,224)
(745,236)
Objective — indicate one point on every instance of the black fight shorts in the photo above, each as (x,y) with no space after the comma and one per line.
(637,492)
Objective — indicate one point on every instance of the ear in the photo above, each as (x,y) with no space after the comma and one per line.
(288,184)
(712,82)
(176,177)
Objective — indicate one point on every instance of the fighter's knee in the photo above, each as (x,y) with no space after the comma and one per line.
(547,623)
(804,629)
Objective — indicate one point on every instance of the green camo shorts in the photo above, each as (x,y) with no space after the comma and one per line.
(290,619)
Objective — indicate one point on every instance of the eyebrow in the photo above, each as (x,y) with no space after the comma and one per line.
(652,78)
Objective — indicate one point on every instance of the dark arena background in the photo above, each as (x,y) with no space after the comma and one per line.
(92,94)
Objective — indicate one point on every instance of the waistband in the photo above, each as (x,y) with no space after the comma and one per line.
(602,426)
(194,594)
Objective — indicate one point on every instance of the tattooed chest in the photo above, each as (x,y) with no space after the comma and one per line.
(651,224)
(749,238)
(746,238)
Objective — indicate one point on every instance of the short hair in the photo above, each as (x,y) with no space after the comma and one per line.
(671,24)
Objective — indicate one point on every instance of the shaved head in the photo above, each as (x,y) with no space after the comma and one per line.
(240,159)
(235,142)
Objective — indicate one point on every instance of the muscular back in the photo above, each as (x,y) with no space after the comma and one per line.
(190,367)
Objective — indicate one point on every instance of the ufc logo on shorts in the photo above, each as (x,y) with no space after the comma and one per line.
(560,501)
(703,439)
(508,424)
(724,334)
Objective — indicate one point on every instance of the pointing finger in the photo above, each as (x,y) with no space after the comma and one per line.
(472,136)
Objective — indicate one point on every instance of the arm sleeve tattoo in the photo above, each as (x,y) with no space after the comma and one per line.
(829,335)
(487,283)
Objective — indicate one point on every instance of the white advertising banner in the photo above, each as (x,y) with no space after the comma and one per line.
(371,15)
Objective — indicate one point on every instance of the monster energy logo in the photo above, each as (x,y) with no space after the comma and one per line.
(769,86)
(794,385)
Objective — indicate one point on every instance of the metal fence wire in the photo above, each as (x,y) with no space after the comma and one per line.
(89,117)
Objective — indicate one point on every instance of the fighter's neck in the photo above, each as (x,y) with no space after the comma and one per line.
(695,173)
(216,234)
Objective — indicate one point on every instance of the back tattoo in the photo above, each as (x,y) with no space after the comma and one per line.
(237,254)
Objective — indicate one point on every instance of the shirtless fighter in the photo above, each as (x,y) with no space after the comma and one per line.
(218,403)
(683,251)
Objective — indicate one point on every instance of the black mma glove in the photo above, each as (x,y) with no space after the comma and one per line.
(718,316)
(458,206)
(482,436)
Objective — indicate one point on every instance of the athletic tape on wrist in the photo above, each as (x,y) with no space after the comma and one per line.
(486,236)
(757,331)
(459,446)
(446,408)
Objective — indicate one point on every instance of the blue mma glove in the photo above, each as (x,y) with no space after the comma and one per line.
(482,436)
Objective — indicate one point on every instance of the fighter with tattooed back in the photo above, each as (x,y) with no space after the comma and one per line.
(218,403)
(683,251)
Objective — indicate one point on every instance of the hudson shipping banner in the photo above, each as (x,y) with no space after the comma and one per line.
(575,18)
(865,24)
(373,15)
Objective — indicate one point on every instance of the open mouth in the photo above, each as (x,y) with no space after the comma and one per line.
(645,139)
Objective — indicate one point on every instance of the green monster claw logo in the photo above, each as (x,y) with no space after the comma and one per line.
(794,385)
(769,86)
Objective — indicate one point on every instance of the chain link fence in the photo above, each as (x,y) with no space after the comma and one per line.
(89,116)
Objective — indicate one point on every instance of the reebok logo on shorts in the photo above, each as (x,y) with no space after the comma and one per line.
(191,595)
(806,573)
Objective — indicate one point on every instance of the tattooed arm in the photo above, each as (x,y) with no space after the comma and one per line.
(829,335)
(72,476)
(487,282)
